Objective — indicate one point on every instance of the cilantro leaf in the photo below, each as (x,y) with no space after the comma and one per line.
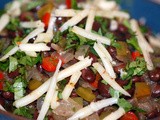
(74,4)
(8,87)
(34,4)
(114,93)
(104,82)
(57,37)
(124,104)
(4,65)
(24,111)
(137,67)
(13,64)
(133,42)
(14,24)
(127,87)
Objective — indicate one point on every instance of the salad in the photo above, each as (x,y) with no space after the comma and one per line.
(78,59)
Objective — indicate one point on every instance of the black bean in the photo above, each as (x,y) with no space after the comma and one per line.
(154,75)
(152,114)
(94,57)
(112,50)
(39,67)
(122,28)
(122,82)
(88,75)
(2,101)
(25,16)
(104,89)
(8,95)
(119,67)
(96,26)
(13,74)
(156,91)
(136,79)
(74,94)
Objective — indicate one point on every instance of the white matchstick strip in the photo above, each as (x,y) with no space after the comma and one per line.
(32,24)
(71,84)
(50,93)
(108,66)
(90,19)
(93,107)
(11,52)
(54,102)
(90,35)
(108,79)
(4,20)
(74,20)
(44,87)
(34,47)
(65,12)
(116,114)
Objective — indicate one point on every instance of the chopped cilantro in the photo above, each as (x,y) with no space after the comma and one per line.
(8,49)
(124,104)
(137,67)
(13,64)
(133,42)
(114,93)
(14,24)
(60,95)
(24,111)
(8,87)
(4,65)
(127,87)
(57,37)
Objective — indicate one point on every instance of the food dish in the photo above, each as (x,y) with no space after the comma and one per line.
(91,61)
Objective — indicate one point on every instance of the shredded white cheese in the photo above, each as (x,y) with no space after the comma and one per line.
(154,41)
(31,53)
(71,84)
(105,5)
(105,60)
(54,102)
(93,107)
(4,20)
(144,45)
(34,47)
(74,20)
(65,12)
(113,14)
(50,93)
(116,114)
(14,10)
(113,25)
(90,19)
(90,35)
(44,37)
(108,79)
(32,24)
(32,34)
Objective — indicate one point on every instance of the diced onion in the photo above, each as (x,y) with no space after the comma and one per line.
(32,24)
(4,20)
(81,51)
(108,79)
(34,47)
(90,35)
(74,20)
(50,93)
(71,84)
(116,114)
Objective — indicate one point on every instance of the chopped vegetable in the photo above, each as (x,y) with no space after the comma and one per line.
(95,83)
(1,75)
(129,116)
(46,18)
(85,93)
(34,84)
(135,54)
(32,24)
(13,62)
(49,63)
(139,92)
(68,3)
